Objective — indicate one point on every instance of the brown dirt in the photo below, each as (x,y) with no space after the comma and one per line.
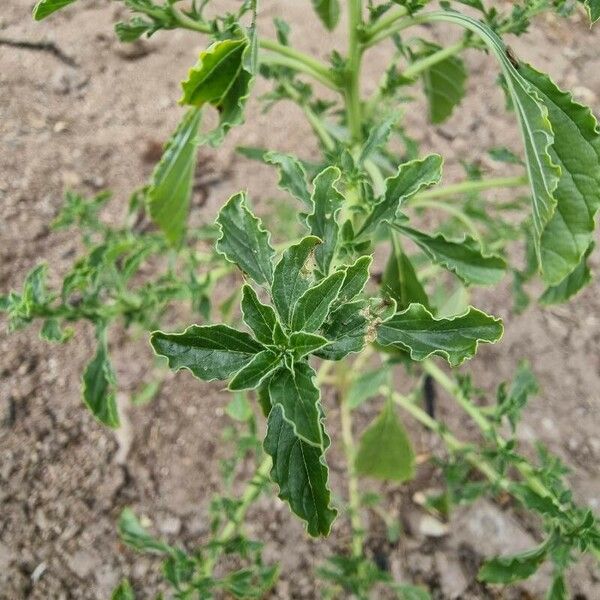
(62,477)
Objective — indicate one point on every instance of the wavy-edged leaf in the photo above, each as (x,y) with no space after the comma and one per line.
(222,77)
(313,306)
(44,8)
(576,149)
(418,331)
(328,11)
(463,258)
(171,184)
(571,285)
(508,569)
(385,451)
(302,343)
(209,351)
(300,471)
(355,279)
(260,317)
(411,177)
(533,120)
(444,84)
(299,397)
(345,330)
(400,280)
(99,384)
(326,201)
(290,280)
(256,371)
(593,9)
(292,176)
(244,241)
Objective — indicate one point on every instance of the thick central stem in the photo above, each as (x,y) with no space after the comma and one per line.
(352,87)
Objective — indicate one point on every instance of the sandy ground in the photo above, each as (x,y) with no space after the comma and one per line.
(63,480)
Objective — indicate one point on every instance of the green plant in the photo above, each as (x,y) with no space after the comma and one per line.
(318,300)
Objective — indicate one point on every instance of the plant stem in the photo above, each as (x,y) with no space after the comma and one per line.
(452,210)
(189,23)
(467,187)
(352,86)
(353,493)
(385,23)
(426,63)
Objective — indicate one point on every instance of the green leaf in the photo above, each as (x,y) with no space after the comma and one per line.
(328,11)
(295,391)
(258,316)
(456,339)
(400,280)
(378,137)
(209,352)
(385,452)
(289,280)
(346,331)
(239,408)
(222,77)
(366,386)
(44,8)
(327,201)
(256,371)
(244,241)
(123,591)
(412,177)
(300,471)
(135,535)
(444,84)
(99,384)
(510,403)
(593,9)
(313,306)
(508,569)
(52,332)
(171,184)
(356,277)
(533,119)
(292,176)
(558,589)
(463,258)
(571,285)
(576,149)
(303,343)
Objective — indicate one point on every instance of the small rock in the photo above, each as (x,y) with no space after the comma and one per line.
(83,563)
(452,578)
(431,527)
(169,525)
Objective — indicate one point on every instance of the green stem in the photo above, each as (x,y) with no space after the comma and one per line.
(188,23)
(385,23)
(468,187)
(352,87)
(426,63)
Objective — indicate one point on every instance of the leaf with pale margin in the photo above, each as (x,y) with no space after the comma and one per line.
(256,371)
(290,280)
(400,280)
(258,316)
(355,279)
(346,330)
(300,471)
(463,258)
(209,351)
(302,343)
(444,84)
(135,535)
(326,201)
(171,184)
(244,241)
(593,9)
(292,176)
(576,149)
(328,11)
(384,451)
(508,569)
(99,384)
(571,285)
(535,126)
(44,8)
(411,178)
(313,306)
(455,339)
(299,397)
